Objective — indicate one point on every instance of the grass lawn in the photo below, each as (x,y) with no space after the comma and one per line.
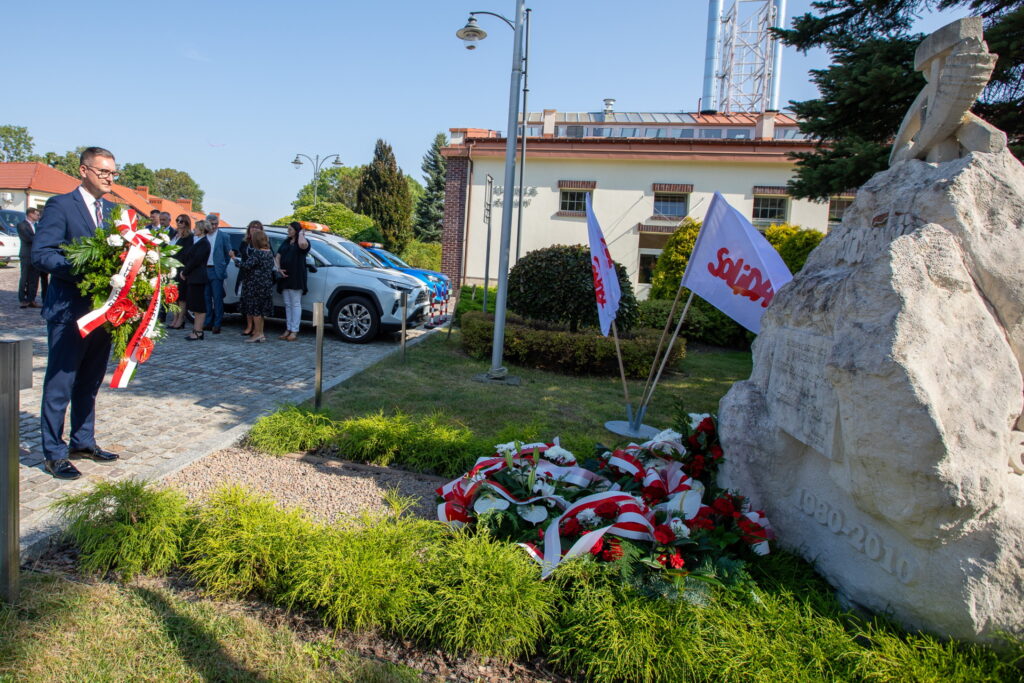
(70,631)
(438,376)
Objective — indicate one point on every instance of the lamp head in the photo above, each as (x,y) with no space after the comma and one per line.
(337,160)
(297,162)
(470,34)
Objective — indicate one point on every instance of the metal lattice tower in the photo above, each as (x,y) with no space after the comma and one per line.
(747,58)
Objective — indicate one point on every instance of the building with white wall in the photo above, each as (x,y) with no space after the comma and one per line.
(645,172)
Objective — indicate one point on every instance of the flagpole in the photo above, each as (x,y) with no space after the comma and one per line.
(646,399)
(661,342)
(622,372)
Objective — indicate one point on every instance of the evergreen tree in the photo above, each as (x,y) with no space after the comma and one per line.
(871,84)
(383,195)
(430,207)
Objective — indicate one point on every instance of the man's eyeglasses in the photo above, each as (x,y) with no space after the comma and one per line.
(103,173)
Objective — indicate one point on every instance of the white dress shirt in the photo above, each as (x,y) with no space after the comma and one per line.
(90,203)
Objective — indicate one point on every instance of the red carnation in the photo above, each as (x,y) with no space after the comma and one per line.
(663,560)
(696,468)
(663,534)
(613,550)
(753,532)
(716,452)
(707,425)
(724,506)
(171,293)
(676,561)
(596,549)
(638,477)
(607,510)
(570,526)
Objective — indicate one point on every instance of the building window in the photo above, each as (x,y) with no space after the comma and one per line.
(670,206)
(711,133)
(686,132)
(654,132)
(837,206)
(627,132)
(738,134)
(602,132)
(769,211)
(572,131)
(573,202)
(648,259)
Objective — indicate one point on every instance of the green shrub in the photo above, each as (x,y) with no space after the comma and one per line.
(433,443)
(338,217)
(129,527)
(482,595)
(243,543)
(582,353)
(793,243)
(364,576)
(292,429)
(556,284)
(423,255)
(704,323)
(671,264)
(368,234)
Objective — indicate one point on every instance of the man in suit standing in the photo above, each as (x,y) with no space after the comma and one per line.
(75,365)
(216,271)
(28,285)
(165,225)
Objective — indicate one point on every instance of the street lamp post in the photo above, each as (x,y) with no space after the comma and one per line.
(470,34)
(317,165)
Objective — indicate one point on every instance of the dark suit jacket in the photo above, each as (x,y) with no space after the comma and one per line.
(65,219)
(26,234)
(220,255)
(195,262)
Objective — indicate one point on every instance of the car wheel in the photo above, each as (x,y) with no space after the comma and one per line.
(355,320)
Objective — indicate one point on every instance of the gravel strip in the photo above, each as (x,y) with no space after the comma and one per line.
(326,488)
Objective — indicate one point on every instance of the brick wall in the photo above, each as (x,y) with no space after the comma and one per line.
(456,189)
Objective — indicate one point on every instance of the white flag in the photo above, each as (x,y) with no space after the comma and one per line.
(606,280)
(733,267)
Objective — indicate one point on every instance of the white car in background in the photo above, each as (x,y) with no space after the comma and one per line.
(361,299)
(10,243)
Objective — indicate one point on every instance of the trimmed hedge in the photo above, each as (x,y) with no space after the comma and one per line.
(528,344)
(704,323)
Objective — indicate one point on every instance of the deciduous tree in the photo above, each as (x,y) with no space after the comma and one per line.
(174,184)
(135,174)
(15,143)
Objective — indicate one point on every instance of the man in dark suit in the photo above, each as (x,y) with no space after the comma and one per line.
(28,285)
(75,365)
(216,271)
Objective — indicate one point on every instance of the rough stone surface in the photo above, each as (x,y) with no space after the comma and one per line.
(879,428)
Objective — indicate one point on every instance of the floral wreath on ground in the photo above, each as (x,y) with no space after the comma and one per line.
(127,273)
(655,506)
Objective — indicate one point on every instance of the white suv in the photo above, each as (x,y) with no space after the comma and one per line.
(10,243)
(360,299)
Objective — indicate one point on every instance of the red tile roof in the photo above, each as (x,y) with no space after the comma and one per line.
(33,175)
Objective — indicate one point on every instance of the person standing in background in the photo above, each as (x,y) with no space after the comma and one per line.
(217,270)
(31,277)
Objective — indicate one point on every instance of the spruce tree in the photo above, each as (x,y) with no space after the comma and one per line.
(383,195)
(430,207)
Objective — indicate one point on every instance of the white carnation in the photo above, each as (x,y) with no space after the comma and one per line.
(503,448)
(173,273)
(152,256)
(668,435)
(117,280)
(587,518)
(559,455)
(679,528)
(114,240)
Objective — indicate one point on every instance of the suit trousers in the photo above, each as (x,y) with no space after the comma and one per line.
(29,282)
(74,373)
(214,299)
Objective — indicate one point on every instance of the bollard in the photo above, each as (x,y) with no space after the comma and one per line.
(15,375)
(405,317)
(318,378)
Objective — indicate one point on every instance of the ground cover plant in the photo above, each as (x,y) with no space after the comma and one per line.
(470,592)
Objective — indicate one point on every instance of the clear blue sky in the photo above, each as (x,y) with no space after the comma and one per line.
(231,91)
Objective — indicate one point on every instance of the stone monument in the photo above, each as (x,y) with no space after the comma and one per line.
(881,426)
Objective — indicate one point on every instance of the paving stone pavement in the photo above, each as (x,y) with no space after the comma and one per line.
(189,400)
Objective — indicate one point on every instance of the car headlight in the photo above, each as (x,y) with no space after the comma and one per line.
(400,286)
(433,278)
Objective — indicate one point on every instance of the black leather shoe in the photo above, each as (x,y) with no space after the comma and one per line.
(96,453)
(216,330)
(62,469)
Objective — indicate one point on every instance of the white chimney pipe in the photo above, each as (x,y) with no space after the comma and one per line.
(711,55)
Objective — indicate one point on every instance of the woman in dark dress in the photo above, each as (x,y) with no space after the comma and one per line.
(291,265)
(194,275)
(258,286)
(243,249)
(183,238)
